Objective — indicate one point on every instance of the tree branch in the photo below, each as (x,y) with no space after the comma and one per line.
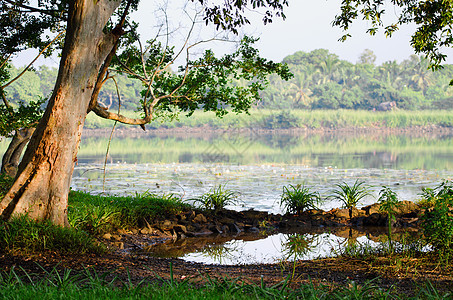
(30,64)
(53,13)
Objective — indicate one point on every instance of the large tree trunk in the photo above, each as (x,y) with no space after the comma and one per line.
(11,158)
(42,183)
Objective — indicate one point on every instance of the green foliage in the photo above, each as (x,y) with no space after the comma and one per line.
(207,83)
(279,120)
(217,198)
(350,196)
(25,116)
(24,235)
(434,20)
(437,220)
(298,198)
(5,183)
(389,203)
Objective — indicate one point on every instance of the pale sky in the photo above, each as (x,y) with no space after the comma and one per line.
(307,27)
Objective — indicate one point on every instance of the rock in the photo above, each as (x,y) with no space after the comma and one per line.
(340,213)
(119,245)
(226,221)
(145,230)
(180,228)
(253,229)
(203,232)
(166,225)
(116,237)
(371,209)
(375,219)
(407,207)
(234,228)
(200,218)
(107,236)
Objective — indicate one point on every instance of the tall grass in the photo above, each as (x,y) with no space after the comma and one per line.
(333,119)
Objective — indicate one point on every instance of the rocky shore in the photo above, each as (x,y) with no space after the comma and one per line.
(225,223)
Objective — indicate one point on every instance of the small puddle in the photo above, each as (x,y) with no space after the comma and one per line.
(261,249)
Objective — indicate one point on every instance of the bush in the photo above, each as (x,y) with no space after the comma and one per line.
(280,120)
(350,196)
(217,199)
(437,221)
(296,199)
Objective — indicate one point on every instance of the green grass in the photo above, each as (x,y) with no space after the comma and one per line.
(99,214)
(88,284)
(22,235)
(88,216)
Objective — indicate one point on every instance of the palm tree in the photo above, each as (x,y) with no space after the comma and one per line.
(422,75)
(299,87)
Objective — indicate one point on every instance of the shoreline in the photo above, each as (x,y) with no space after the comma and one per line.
(136,132)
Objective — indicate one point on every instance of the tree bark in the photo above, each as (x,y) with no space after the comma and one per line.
(42,183)
(11,158)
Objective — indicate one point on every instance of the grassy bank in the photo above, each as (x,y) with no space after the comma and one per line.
(312,119)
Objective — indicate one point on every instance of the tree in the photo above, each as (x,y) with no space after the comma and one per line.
(97,34)
(434,20)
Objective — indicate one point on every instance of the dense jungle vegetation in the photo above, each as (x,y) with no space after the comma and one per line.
(321,81)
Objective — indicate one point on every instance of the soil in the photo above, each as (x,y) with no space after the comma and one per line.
(397,272)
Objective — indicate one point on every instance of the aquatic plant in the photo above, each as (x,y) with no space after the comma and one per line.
(298,198)
(350,196)
(389,203)
(217,198)
(437,221)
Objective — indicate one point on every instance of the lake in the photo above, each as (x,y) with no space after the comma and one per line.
(258,165)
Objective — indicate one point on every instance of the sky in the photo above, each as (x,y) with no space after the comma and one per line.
(306,28)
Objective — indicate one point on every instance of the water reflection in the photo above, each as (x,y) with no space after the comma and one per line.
(346,151)
(254,249)
(259,186)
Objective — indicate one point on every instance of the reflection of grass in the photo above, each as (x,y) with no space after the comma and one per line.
(217,252)
(344,151)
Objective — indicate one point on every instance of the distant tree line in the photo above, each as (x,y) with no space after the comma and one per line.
(321,81)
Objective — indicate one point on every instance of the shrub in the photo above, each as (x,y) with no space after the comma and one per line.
(388,204)
(217,199)
(280,120)
(296,199)
(437,221)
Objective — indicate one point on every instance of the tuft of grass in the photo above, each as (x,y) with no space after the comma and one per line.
(350,196)
(24,235)
(217,199)
(298,198)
